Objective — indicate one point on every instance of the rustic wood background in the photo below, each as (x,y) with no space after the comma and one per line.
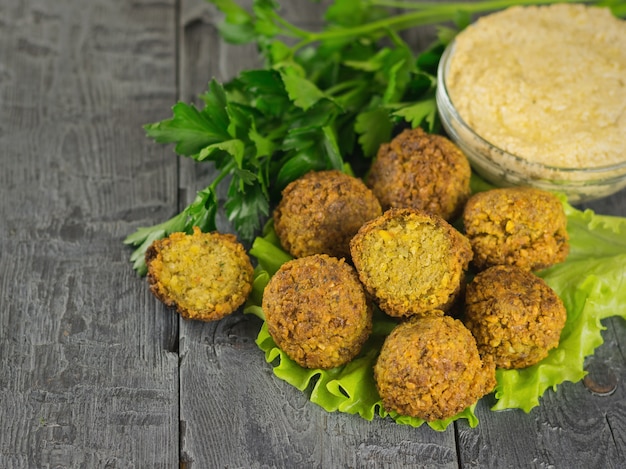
(94,371)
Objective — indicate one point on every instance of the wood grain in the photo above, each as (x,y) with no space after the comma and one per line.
(85,379)
(250,418)
(94,371)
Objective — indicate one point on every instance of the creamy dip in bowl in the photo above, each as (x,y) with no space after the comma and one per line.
(537,96)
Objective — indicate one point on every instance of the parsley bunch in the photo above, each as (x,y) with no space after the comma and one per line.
(323,100)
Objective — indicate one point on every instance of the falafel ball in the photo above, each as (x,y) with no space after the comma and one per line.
(515,316)
(412,262)
(421,170)
(430,368)
(521,226)
(204,276)
(317,311)
(321,211)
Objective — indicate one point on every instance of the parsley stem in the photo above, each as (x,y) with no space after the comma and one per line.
(474,7)
(425,13)
(381,27)
(343,85)
(224,172)
(291,28)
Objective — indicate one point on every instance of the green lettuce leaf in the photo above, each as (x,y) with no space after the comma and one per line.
(591,283)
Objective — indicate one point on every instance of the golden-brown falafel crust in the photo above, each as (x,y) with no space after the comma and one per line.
(521,226)
(430,368)
(411,262)
(317,311)
(205,276)
(514,315)
(421,170)
(321,211)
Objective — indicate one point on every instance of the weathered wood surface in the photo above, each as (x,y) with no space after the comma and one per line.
(94,372)
(86,375)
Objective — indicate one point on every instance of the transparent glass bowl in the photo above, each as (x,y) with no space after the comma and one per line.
(502,168)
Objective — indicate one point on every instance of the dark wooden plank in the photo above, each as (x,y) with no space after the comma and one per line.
(612,205)
(86,379)
(234,411)
(89,372)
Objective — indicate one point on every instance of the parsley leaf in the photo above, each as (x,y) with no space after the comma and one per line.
(324,99)
(200,213)
(374,128)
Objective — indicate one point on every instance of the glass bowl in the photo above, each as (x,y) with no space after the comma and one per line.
(502,168)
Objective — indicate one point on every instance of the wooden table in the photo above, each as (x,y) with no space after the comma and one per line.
(94,371)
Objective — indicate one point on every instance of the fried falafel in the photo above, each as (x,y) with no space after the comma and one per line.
(204,276)
(514,315)
(317,311)
(321,211)
(430,368)
(521,226)
(411,262)
(423,171)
